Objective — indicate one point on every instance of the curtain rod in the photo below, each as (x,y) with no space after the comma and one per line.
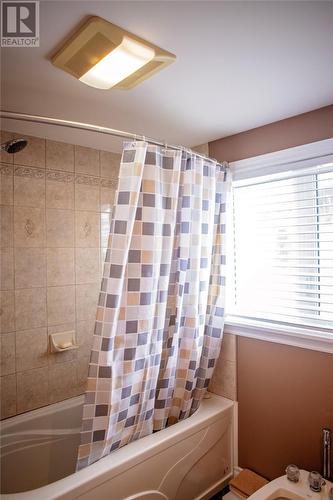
(13,115)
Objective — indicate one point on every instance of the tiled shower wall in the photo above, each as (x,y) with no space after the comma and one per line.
(55,205)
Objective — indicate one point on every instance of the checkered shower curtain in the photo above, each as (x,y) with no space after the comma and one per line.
(159,321)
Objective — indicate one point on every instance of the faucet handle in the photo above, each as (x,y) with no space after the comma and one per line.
(315,481)
(293,473)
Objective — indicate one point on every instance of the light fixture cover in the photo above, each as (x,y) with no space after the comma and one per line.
(104,55)
(120,63)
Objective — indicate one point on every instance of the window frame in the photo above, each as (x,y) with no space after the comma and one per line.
(306,155)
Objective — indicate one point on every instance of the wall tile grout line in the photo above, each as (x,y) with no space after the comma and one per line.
(46,264)
(75,295)
(14,291)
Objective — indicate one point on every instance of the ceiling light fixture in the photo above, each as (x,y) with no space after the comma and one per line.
(103,55)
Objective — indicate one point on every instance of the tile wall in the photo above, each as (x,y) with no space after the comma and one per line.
(55,206)
(224,380)
(203,149)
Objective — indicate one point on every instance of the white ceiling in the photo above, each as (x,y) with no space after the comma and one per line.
(239,65)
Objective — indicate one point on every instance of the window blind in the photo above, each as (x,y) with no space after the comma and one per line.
(283,247)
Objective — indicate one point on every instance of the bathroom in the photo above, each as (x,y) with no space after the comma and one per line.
(166,250)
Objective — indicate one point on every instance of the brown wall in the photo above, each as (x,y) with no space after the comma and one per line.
(285,398)
(302,129)
(285,393)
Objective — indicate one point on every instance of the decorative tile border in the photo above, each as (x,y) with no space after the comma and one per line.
(6,169)
(88,180)
(59,176)
(109,183)
(32,173)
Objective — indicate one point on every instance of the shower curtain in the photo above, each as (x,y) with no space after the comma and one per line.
(159,321)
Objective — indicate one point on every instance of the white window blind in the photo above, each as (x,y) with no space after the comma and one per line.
(283,248)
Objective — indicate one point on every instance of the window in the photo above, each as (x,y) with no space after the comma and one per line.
(281,246)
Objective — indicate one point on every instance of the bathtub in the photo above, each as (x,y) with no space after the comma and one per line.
(189,460)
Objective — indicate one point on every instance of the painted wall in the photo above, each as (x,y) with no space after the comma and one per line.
(302,129)
(285,393)
(285,399)
(55,206)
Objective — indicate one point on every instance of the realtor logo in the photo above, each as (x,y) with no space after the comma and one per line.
(20,23)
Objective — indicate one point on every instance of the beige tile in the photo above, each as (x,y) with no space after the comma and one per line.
(30,308)
(105,229)
(62,381)
(228,349)
(202,149)
(7,226)
(30,267)
(29,227)
(33,155)
(59,156)
(85,332)
(7,354)
(5,137)
(60,194)
(87,197)
(87,229)
(60,304)
(102,259)
(223,381)
(60,266)
(82,373)
(32,389)
(7,312)
(7,269)
(87,264)
(29,187)
(110,163)
(61,357)
(6,185)
(107,199)
(59,228)
(87,161)
(31,349)
(86,301)
(8,396)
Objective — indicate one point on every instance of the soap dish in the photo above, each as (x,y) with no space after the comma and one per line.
(63,341)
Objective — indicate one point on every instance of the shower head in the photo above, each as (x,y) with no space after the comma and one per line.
(14,146)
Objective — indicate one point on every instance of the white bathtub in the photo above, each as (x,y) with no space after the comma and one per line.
(190,460)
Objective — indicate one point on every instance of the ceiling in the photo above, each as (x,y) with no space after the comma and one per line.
(239,65)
